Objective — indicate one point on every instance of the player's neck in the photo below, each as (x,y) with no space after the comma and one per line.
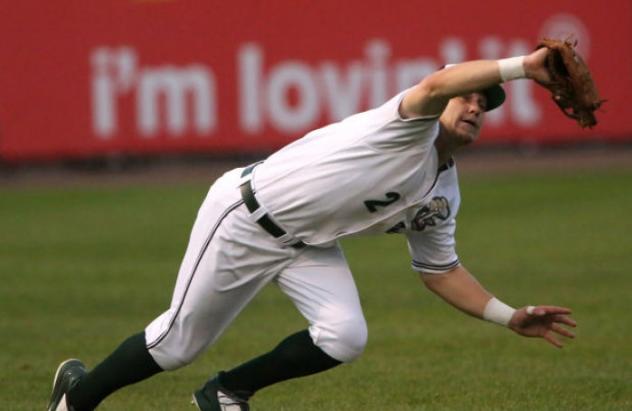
(445,146)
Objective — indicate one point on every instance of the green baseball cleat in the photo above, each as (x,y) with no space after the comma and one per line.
(212,397)
(68,374)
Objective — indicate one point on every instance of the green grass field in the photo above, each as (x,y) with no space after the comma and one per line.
(83,268)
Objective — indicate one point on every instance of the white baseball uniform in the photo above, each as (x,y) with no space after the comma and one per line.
(373,172)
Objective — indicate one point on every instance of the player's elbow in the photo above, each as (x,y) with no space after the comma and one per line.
(434,87)
(434,281)
(426,98)
(431,281)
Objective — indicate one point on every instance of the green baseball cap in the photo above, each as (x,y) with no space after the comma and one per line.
(495,95)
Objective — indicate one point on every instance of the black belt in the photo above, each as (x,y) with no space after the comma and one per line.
(253,205)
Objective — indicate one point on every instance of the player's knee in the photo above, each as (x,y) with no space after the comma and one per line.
(177,350)
(344,341)
(178,345)
(352,338)
(172,358)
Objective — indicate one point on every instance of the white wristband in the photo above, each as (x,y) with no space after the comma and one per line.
(498,312)
(511,68)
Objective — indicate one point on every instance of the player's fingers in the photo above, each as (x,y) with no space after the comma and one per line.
(563,319)
(550,309)
(548,336)
(554,309)
(562,331)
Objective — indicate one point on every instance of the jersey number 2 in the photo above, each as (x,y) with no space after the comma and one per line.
(372,205)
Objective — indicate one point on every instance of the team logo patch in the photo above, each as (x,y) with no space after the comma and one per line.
(437,209)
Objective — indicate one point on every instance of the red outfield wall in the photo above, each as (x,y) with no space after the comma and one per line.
(82,78)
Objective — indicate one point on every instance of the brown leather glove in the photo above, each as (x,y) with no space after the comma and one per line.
(572,86)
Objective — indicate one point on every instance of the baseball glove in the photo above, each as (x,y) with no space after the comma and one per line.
(572,86)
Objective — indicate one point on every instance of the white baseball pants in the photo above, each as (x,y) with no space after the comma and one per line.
(230,258)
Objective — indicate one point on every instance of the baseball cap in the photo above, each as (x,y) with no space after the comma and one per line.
(495,95)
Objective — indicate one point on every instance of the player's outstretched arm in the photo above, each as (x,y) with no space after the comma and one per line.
(432,94)
(460,289)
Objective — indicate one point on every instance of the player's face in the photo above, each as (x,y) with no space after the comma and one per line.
(463,117)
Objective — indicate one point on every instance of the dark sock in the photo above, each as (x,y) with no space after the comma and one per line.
(129,363)
(296,356)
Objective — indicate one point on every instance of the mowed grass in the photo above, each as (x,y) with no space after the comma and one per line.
(83,268)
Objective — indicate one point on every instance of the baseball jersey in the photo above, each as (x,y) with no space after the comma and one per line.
(365,174)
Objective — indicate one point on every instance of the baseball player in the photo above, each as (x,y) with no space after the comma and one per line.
(386,170)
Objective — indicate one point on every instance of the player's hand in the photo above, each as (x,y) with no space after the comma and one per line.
(535,66)
(543,321)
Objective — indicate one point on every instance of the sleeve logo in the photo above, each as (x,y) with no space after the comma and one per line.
(437,209)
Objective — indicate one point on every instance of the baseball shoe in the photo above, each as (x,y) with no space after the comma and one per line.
(212,397)
(68,374)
